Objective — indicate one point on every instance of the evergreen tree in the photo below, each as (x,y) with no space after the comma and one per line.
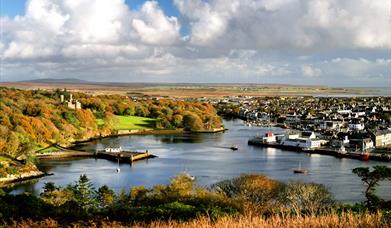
(84,194)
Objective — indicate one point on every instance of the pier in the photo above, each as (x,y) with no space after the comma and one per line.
(124,156)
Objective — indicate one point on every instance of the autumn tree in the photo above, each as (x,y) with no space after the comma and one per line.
(253,188)
(106,196)
(307,198)
(192,122)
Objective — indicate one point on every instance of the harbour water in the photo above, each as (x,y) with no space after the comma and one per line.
(207,157)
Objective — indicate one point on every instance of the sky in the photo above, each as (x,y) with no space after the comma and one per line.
(317,42)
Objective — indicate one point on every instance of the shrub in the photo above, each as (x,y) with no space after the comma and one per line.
(253,188)
(307,198)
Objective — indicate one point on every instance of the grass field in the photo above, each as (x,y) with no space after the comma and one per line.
(332,220)
(130,122)
(3,158)
(50,149)
(196,90)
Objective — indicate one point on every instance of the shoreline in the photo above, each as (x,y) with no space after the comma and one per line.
(14,179)
(322,151)
(69,152)
(146,132)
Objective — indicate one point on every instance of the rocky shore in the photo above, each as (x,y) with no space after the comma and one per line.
(12,178)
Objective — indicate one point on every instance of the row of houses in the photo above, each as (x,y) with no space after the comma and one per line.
(343,142)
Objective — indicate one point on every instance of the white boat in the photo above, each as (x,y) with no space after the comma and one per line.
(188,175)
(118,169)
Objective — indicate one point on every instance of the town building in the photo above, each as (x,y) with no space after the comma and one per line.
(381,138)
(113,149)
(73,104)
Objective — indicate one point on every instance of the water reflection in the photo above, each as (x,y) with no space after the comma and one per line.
(185,138)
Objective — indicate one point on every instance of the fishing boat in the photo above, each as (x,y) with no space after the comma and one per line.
(300,170)
(365,156)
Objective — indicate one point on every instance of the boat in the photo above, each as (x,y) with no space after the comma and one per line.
(191,177)
(234,147)
(365,156)
(300,170)
(118,169)
(188,175)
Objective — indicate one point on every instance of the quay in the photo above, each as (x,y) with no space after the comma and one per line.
(115,154)
(323,151)
(64,154)
(124,156)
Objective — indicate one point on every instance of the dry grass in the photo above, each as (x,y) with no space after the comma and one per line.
(333,220)
(346,220)
(188,91)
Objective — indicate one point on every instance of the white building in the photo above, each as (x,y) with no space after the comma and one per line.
(302,143)
(381,138)
(73,104)
(356,126)
(113,149)
(308,135)
(306,139)
(269,138)
(344,111)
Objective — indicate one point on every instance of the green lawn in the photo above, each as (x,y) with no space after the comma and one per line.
(130,122)
(50,149)
(4,158)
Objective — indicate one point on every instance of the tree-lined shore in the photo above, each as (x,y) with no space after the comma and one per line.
(31,120)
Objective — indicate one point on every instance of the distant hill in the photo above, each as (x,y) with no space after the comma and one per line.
(61,80)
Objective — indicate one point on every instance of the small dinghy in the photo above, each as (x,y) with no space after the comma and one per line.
(300,170)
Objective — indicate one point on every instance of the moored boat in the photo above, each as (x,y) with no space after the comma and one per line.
(300,170)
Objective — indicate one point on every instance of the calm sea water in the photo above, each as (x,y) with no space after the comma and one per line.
(204,156)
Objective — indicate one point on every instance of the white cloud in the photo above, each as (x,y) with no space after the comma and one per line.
(360,69)
(85,28)
(286,41)
(154,27)
(294,24)
(310,71)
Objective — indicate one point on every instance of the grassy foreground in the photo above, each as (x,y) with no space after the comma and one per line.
(331,220)
(130,122)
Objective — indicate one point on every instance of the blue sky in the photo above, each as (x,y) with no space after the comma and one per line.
(12,8)
(328,42)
